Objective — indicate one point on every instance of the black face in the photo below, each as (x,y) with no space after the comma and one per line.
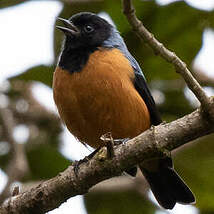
(85,30)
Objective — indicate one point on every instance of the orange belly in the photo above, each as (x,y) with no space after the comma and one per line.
(100,99)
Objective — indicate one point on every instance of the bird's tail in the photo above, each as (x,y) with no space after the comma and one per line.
(166,185)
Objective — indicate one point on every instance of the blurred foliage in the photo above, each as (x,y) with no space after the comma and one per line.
(8,3)
(39,73)
(117,202)
(49,164)
(44,126)
(196,165)
(180,28)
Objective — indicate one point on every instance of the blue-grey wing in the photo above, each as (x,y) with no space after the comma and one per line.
(116,41)
(142,88)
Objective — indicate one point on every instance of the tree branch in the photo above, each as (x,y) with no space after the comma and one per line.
(168,55)
(150,144)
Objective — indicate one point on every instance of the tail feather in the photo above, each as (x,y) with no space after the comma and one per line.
(166,185)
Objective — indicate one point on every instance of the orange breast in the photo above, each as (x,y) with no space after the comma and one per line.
(100,99)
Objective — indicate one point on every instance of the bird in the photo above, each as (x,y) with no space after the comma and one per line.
(99,87)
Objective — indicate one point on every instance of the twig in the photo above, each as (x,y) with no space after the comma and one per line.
(168,55)
(51,193)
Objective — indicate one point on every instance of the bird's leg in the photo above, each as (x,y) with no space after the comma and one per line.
(76,164)
(109,143)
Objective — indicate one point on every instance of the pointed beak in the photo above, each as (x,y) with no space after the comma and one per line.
(69,28)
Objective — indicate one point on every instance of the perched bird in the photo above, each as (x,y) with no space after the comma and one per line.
(99,88)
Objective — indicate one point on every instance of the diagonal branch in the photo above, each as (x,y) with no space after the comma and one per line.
(51,193)
(168,55)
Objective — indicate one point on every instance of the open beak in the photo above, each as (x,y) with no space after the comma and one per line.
(69,28)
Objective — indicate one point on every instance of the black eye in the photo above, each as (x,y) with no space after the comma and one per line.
(88,29)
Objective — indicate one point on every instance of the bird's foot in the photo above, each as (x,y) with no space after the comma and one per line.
(121,141)
(77,164)
(109,143)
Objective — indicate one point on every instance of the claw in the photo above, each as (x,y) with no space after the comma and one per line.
(77,164)
(76,167)
(109,143)
(121,141)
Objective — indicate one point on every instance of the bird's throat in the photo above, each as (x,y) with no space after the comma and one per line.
(73,60)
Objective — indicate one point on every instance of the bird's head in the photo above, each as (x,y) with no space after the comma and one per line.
(85,30)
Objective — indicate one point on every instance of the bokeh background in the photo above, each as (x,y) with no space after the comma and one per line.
(35,146)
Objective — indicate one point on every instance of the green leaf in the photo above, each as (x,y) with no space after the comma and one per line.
(40,73)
